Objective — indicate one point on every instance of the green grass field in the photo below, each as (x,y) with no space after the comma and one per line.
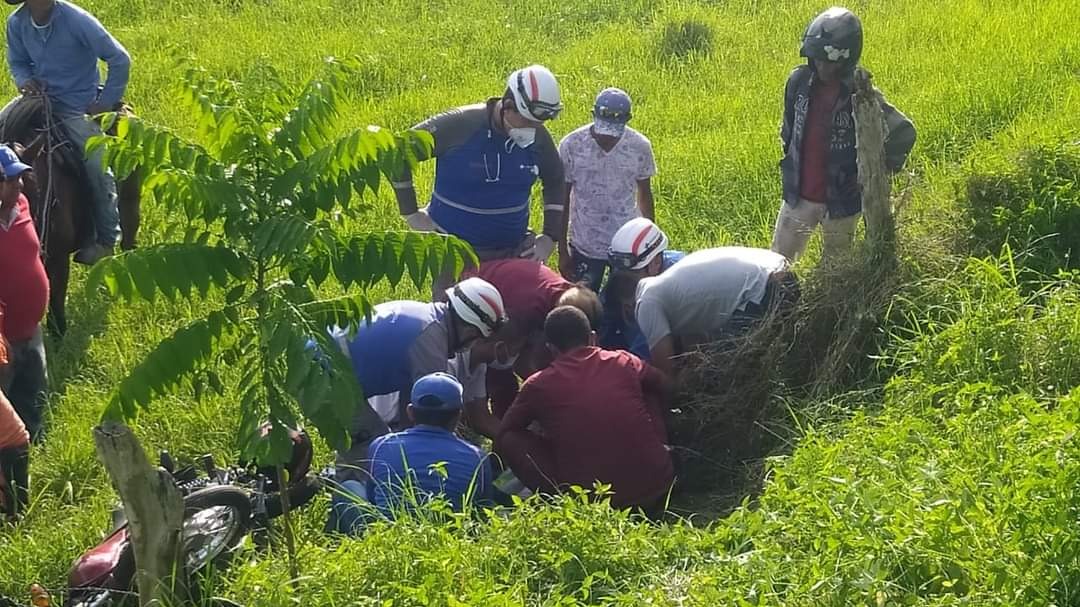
(957,482)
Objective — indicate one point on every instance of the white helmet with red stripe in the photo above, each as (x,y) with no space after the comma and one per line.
(635,244)
(536,92)
(478,302)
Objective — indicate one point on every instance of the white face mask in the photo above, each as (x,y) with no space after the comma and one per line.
(523,137)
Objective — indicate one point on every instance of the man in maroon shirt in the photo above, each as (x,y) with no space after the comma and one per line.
(24,294)
(819,169)
(530,290)
(592,418)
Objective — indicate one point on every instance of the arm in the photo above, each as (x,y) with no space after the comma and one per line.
(18,58)
(662,354)
(646,172)
(553,178)
(657,330)
(108,49)
(522,412)
(645,201)
(900,138)
(566,264)
(789,110)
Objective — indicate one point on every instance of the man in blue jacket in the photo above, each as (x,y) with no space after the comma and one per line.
(53,48)
(819,170)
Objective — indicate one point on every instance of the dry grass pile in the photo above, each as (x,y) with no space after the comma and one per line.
(734,404)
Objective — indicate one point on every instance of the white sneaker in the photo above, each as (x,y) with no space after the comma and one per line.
(92,254)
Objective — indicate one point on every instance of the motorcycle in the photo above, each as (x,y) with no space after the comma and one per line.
(221,506)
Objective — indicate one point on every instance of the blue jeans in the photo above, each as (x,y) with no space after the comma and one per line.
(79,128)
(350,510)
(588,270)
(25,382)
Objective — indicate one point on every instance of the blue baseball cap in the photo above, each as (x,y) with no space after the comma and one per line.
(10,163)
(611,112)
(437,392)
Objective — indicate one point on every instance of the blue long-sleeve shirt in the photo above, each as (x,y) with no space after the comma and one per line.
(63,54)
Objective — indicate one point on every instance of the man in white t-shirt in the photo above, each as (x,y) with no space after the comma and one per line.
(608,168)
(709,295)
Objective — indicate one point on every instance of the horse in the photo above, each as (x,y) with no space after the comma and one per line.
(59,198)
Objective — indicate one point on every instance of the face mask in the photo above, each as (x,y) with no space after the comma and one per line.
(523,137)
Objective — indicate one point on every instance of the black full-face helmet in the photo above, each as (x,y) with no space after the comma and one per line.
(836,36)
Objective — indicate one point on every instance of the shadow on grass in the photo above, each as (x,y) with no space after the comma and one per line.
(87,318)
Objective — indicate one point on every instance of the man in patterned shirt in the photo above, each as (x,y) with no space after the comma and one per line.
(608,168)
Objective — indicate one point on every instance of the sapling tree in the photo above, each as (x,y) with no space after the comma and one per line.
(267,186)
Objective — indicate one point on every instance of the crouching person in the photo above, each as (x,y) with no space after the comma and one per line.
(408,468)
(591,416)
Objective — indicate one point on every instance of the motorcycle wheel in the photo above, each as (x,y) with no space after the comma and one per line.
(300,493)
(215,520)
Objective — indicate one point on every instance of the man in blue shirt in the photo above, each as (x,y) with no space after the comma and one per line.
(408,468)
(53,48)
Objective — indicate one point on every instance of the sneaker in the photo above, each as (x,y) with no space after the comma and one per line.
(92,254)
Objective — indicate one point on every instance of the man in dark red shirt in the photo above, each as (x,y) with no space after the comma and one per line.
(24,294)
(819,169)
(592,418)
(530,290)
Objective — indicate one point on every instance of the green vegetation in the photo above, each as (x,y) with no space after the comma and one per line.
(950,477)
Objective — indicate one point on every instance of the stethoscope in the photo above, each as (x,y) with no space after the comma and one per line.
(509,145)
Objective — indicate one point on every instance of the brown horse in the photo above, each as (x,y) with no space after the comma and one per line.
(61,204)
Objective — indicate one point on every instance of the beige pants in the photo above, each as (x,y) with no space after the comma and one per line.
(796,224)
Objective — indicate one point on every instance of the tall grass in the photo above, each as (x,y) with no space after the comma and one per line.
(855,515)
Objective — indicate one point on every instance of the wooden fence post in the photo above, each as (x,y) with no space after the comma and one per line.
(155,513)
(870,134)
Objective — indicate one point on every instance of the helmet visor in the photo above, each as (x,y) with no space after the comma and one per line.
(540,110)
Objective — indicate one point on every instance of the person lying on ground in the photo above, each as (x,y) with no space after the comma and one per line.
(53,48)
(24,295)
(592,416)
(404,341)
(608,167)
(638,248)
(410,467)
(711,294)
(819,167)
(530,290)
(14,452)
(488,156)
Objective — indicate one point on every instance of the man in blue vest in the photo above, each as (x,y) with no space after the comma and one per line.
(405,341)
(488,156)
(53,48)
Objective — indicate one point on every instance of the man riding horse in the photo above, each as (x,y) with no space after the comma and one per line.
(53,48)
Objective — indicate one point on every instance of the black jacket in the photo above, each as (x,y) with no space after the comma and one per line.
(842,198)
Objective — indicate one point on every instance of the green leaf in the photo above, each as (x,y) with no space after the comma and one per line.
(167,269)
(173,359)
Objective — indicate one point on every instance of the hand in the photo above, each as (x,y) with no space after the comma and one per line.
(97,108)
(33,87)
(543,247)
(420,221)
(566,263)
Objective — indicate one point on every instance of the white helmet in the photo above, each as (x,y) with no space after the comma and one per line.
(478,302)
(536,92)
(635,244)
